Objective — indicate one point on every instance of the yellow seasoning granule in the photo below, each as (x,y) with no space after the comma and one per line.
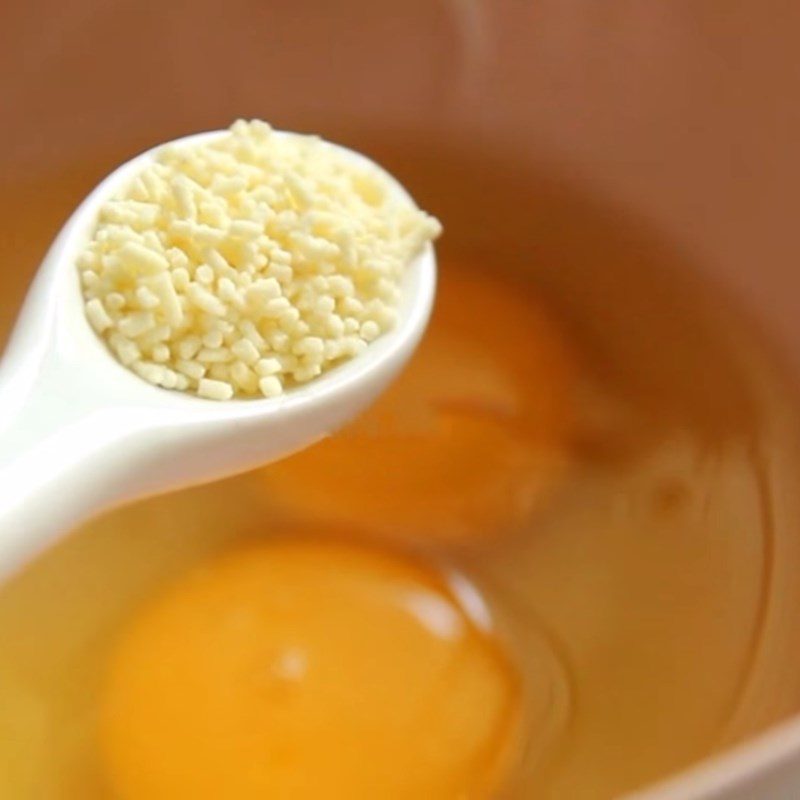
(250,263)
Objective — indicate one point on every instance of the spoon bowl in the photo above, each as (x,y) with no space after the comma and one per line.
(79,432)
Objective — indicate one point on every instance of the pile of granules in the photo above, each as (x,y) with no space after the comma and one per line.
(249,263)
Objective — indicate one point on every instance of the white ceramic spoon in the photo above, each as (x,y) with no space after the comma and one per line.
(79,432)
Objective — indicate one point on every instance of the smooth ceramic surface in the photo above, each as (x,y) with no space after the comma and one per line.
(79,432)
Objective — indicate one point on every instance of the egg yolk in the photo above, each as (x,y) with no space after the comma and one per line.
(308,670)
(465,443)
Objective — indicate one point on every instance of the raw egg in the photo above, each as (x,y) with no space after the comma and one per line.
(308,669)
(468,440)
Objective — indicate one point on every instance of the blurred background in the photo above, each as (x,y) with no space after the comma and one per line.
(679,114)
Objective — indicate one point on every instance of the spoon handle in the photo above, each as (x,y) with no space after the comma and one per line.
(55,464)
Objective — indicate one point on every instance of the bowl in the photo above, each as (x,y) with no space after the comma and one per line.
(645,131)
